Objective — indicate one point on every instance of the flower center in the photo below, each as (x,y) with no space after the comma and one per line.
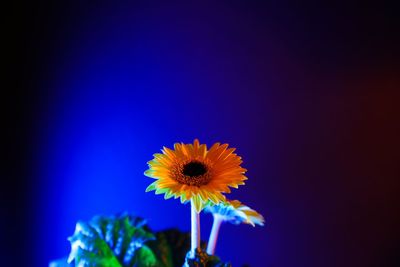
(194,168)
(194,173)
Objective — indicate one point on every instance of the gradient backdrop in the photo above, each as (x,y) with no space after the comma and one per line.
(308,94)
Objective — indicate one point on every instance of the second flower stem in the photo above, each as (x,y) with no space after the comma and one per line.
(195,227)
(212,241)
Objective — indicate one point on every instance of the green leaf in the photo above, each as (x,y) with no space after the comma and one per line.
(145,257)
(171,247)
(112,242)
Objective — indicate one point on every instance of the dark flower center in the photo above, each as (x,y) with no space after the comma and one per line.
(193,173)
(194,168)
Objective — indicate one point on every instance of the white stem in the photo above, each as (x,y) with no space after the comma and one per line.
(195,236)
(212,241)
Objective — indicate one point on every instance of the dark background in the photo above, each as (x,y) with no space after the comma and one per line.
(309,94)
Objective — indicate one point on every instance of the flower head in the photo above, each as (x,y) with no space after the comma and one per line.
(235,212)
(193,172)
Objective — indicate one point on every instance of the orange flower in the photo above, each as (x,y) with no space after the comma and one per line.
(192,172)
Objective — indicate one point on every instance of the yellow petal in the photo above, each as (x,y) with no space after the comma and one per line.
(197,203)
(151,187)
(168,195)
(150,173)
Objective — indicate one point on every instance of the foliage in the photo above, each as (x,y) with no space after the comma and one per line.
(126,241)
(112,242)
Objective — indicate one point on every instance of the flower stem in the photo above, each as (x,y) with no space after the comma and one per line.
(212,241)
(195,235)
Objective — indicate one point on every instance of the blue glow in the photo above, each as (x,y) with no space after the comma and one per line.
(118,95)
(307,94)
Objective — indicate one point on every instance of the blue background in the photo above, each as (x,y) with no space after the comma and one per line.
(307,94)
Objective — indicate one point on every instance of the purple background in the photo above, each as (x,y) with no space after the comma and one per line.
(308,94)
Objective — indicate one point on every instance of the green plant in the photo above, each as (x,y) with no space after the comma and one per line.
(126,241)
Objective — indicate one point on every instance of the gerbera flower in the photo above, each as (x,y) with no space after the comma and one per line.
(192,172)
(230,211)
(235,212)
